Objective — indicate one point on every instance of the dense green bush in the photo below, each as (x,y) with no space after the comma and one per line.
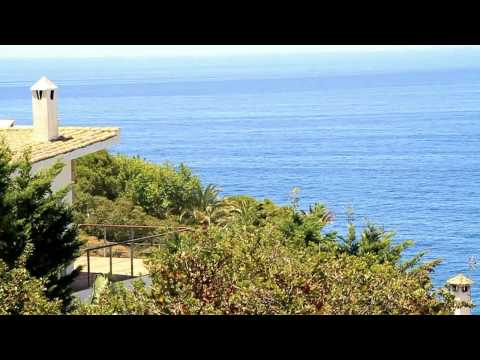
(268,259)
(159,190)
(247,256)
(234,270)
(97,174)
(121,211)
(23,294)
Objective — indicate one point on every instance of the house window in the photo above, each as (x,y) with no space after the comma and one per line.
(51,95)
(465,289)
(454,288)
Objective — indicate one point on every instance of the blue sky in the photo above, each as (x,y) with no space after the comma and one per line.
(88,51)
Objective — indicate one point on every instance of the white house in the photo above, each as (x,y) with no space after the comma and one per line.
(48,142)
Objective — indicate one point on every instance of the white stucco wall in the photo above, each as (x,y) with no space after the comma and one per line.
(461,296)
(62,180)
(65,177)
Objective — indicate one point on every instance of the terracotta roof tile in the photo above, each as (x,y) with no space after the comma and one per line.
(73,138)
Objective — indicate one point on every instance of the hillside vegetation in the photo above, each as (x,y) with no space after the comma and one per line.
(247,256)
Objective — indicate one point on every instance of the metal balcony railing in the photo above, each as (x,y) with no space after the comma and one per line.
(130,243)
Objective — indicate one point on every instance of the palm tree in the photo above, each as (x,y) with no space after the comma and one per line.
(320,213)
(243,210)
(204,207)
(204,198)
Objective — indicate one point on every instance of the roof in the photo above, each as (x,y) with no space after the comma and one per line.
(6,123)
(43,84)
(71,138)
(460,280)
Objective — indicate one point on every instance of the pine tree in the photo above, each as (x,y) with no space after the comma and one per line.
(32,213)
(7,168)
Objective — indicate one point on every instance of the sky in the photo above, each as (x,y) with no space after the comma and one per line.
(95,51)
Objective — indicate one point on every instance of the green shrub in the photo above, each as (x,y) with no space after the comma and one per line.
(100,210)
(235,270)
(251,257)
(23,294)
(97,174)
(159,190)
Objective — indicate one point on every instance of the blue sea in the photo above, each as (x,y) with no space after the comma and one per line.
(395,141)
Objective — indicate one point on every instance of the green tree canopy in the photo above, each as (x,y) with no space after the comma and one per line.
(159,190)
(239,270)
(33,213)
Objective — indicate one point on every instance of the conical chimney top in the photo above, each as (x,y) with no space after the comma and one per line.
(43,84)
(460,279)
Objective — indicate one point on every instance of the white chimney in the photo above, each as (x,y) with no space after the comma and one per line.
(5,124)
(461,287)
(44,107)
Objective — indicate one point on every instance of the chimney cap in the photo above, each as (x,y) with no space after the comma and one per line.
(460,280)
(6,123)
(44,84)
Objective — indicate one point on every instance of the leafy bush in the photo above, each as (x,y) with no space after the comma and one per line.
(100,210)
(159,190)
(97,174)
(23,294)
(251,257)
(235,270)
(117,300)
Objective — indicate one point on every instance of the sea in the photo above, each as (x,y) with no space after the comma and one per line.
(393,137)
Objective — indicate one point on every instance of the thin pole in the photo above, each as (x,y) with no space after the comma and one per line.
(88,268)
(131,259)
(132,236)
(111,260)
(105,241)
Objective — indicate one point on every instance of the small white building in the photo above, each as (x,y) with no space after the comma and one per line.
(48,142)
(461,287)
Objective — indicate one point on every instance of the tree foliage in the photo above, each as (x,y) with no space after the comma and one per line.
(118,212)
(235,270)
(33,213)
(249,256)
(159,190)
